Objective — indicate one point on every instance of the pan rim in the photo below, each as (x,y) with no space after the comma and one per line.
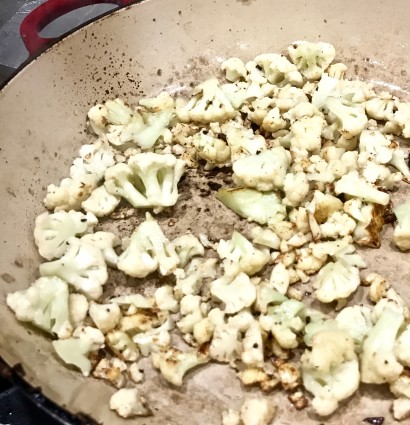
(32,58)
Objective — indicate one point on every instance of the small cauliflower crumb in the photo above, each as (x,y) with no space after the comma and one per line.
(256,411)
(127,402)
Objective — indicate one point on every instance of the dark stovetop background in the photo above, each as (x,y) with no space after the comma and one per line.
(16,408)
(22,405)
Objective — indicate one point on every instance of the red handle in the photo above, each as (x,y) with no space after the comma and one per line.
(35,21)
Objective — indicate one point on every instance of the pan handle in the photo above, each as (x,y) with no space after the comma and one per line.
(40,17)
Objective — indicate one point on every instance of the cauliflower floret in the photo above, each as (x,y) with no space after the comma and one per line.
(190,308)
(190,281)
(106,242)
(105,316)
(255,375)
(255,73)
(266,296)
(136,301)
(261,207)
(135,373)
(354,185)
(306,133)
(374,172)
(337,71)
(285,230)
(234,69)
(237,294)
(338,225)
(273,121)
(112,112)
(319,170)
(355,320)
(252,353)
(111,370)
(258,109)
(240,251)
(213,150)
(127,402)
(402,347)
(299,217)
(85,173)
(70,194)
(381,107)
(298,239)
(101,203)
(265,237)
(226,345)
(278,70)
(209,104)
(330,370)
(355,91)
(370,221)
(147,251)
(351,117)
(296,188)
(402,117)
(75,350)
(378,362)
(327,87)
(401,386)
(94,159)
(174,364)
(379,286)
(311,59)
(143,127)
(122,346)
(52,231)
(140,321)
(231,417)
(256,411)
(279,278)
(244,142)
(77,308)
(187,246)
(333,86)
(288,374)
(82,266)
(323,206)
(284,321)
(264,171)
(381,293)
(203,330)
(336,280)
(400,161)
(156,339)
(310,261)
(304,109)
(401,234)
(45,305)
(149,180)
(401,409)
(318,322)
(376,145)
(353,208)
(164,299)
(288,97)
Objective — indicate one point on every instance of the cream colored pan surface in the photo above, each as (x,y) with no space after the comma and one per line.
(42,125)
